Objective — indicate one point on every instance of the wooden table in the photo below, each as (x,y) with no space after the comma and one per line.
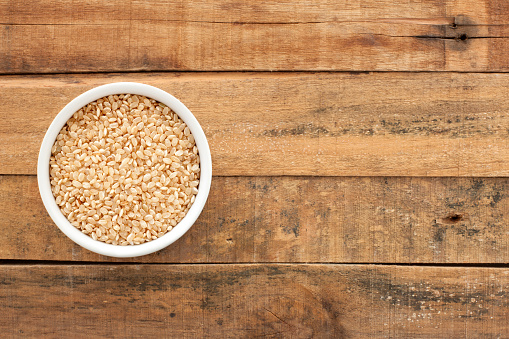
(361,163)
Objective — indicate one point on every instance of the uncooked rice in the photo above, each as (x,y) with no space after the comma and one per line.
(125,169)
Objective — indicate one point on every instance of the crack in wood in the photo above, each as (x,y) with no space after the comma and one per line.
(444,21)
(266,309)
(459,37)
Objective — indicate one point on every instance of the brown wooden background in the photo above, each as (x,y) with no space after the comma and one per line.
(361,168)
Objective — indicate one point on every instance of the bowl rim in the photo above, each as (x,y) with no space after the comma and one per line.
(43,178)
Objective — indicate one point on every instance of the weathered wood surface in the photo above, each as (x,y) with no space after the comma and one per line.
(333,169)
(382,124)
(295,219)
(237,301)
(382,35)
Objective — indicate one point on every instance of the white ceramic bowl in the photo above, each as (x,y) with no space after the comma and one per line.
(60,120)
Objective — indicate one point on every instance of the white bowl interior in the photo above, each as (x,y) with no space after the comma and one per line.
(45,153)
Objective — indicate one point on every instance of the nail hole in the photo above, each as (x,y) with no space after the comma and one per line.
(453,25)
(453,218)
(463,37)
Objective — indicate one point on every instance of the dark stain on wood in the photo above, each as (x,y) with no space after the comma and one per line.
(332,308)
(496,197)
(439,232)
(263,187)
(303,129)
(455,127)
(460,34)
(291,224)
(369,40)
(467,231)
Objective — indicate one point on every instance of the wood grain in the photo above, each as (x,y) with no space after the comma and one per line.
(294,219)
(234,301)
(333,195)
(381,35)
(332,124)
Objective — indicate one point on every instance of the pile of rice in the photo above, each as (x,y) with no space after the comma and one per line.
(125,169)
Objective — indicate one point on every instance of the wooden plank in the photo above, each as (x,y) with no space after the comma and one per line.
(292,219)
(340,301)
(98,11)
(333,124)
(380,35)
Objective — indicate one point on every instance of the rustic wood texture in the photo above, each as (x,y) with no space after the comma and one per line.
(332,124)
(335,189)
(237,301)
(293,219)
(357,35)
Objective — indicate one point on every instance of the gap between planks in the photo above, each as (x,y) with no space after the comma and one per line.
(9,262)
(267,72)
